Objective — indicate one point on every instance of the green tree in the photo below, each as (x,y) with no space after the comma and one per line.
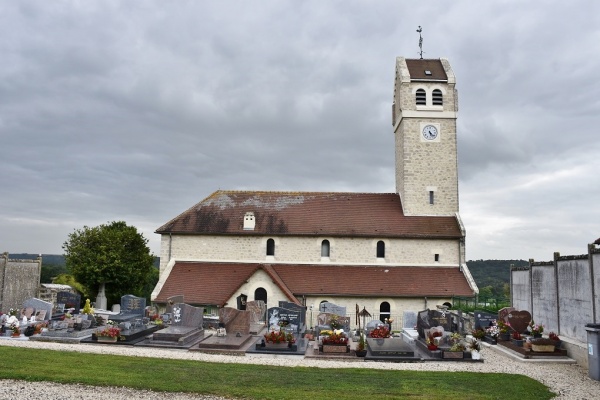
(66,279)
(50,271)
(114,254)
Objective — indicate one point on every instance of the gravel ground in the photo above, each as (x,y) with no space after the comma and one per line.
(568,381)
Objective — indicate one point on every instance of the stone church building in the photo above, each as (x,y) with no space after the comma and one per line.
(388,252)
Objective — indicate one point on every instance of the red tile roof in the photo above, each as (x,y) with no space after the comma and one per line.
(417,69)
(214,283)
(309,213)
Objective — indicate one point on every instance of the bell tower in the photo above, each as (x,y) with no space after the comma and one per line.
(424,120)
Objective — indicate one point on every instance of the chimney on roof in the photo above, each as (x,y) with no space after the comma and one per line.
(249,221)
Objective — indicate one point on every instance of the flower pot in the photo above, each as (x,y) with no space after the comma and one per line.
(361,353)
(557,344)
(107,339)
(543,348)
(15,335)
(518,342)
(537,335)
(504,336)
(280,345)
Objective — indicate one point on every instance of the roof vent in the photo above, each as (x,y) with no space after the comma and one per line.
(427,72)
(249,221)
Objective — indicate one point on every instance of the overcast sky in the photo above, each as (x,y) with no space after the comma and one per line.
(135,111)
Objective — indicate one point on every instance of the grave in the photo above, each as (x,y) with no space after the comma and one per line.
(390,349)
(324,321)
(236,335)
(301,310)
(289,319)
(69,300)
(72,330)
(185,330)
(132,307)
(257,310)
(331,308)
(428,319)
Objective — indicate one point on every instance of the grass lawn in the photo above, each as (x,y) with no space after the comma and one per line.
(260,381)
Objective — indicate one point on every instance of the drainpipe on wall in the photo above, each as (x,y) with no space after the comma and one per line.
(591,247)
(425,303)
(170,242)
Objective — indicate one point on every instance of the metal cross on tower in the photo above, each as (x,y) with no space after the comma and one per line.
(420,41)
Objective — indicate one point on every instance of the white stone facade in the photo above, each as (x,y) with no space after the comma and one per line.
(294,249)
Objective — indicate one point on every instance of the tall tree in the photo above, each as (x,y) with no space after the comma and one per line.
(114,254)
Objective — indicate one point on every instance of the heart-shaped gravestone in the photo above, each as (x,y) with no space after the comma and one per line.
(519,320)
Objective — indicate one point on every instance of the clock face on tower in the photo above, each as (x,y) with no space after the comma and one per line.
(430,132)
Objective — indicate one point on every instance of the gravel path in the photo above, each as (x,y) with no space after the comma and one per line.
(569,381)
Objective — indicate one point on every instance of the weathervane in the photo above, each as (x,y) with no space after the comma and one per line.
(420,41)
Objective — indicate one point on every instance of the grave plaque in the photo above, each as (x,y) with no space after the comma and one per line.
(428,319)
(131,304)
(484,319)
(279,315)
(186,315)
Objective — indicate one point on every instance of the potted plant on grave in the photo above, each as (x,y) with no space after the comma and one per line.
(478,333)
(14,327)
(275,337)
(474,346)
(517,339)
(110,333)
(536,329)
(431,344)
(361,350)
(492,332)
(503,330)
(337,342)
(381,332)
(334,322)
(553,336)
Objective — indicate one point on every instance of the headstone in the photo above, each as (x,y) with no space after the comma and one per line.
(257,308)
(483,319)
(235,320)
(131,304)
(186,315)
(70,300)
(331,308)
(171,301)
(278,315)
(409,319)
(242,299)
(116,308)
(519,320)
(503,313)
(27,312)
(324,321)
(301,310)
(428,319)
(39,305)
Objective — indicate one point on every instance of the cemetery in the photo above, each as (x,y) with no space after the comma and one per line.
(283,330)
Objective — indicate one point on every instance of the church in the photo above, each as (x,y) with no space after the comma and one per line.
(387,252)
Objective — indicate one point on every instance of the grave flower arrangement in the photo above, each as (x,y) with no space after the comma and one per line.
(381,332)
(336,338)
(279,337)
(503,327)
(334,322)
(110,331)
(517,336)
(536,329)
(553,336)
(493,330)
(478,333)
(431,340)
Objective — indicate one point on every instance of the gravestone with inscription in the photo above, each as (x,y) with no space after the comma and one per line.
(428,319)
(257,309)
(132,307)
(519,320)
(283,317)
(69,300)
(327,307)
(301,310)
(171,301)
(235,321)
(484,319)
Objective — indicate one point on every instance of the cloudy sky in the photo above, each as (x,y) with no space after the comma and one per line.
(135,111)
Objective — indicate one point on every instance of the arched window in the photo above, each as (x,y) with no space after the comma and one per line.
(260,294)
(437,98)
(384,311)
(421,97)
(380,249)
(270,247)
(325,248)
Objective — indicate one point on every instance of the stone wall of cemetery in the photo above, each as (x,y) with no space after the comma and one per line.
(19,281)
(562,294)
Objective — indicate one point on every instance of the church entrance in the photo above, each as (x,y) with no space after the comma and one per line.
(260,294)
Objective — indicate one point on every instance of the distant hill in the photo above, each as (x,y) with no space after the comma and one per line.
(54,259)
(494,273)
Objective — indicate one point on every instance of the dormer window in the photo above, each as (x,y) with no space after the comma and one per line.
(437,98)
(421,97)
(249,221)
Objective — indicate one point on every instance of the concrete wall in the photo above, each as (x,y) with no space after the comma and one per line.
(20,281)
(408,252)
(575,297)
(543,296)
(520,291)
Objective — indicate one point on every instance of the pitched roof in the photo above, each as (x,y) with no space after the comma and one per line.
(309,213)
(417,68)
(215,283)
